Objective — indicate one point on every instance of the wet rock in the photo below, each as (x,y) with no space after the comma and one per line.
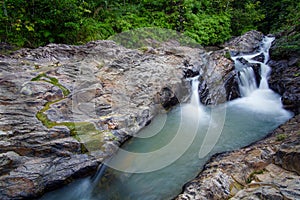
(168,98)
(260,58)
(285,80)
(285,76)
(231,86)
(218,79)
(204,92)
(254,66)
(190,70)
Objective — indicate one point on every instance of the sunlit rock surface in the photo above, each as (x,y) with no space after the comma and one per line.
(64,108)
(247,43)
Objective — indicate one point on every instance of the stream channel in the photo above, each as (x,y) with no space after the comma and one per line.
(175,146)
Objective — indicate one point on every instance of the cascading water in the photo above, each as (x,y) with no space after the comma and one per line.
(265,69)
(195,101)
(247,82)
(258,98)
(247,120)
(247,79)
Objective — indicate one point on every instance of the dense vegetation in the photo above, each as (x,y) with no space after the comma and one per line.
(33,23)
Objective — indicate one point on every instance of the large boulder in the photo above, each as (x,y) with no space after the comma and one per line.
(288,156)
(285,80)
(218,79)
(246,43)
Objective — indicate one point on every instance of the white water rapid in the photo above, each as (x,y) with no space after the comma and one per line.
(194,109)
(257,97)
(247,79)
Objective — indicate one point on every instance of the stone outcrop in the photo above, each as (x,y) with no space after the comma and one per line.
(219,79)
(247,43)
(285,62)
(268,169)
(65,109)
(218,82)
(285,80)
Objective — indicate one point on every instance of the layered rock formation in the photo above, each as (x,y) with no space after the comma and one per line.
(64,109)
(218,79)
(285,80)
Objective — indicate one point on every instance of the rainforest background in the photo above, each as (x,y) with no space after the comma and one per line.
(33,23)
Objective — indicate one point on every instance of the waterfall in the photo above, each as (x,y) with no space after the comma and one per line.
(243,64)
(195,101)
(194,110)
(247,82)
(265,69)
(258,97)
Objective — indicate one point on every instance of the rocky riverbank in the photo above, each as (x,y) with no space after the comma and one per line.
(268,169)
(64,109)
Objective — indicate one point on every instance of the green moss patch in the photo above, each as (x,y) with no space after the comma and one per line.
(53,81)
(85,132)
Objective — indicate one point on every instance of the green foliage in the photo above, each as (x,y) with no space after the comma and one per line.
(93,30)
(283,19)
(245,17)
(280,15)
(208,29)
(31,23)
(288,44)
